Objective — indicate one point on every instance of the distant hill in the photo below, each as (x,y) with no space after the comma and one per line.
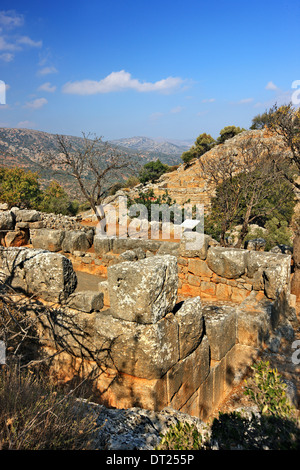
(167,151)
(24,148)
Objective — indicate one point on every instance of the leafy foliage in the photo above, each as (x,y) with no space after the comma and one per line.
(55,199)
(152,171)
(147,199)
(268,391)
(19,187)
(203,144)
(228,132)
(181,436)
(260,121)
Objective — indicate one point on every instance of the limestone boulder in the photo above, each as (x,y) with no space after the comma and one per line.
(48,239)
(190,320)
(220,327)
(270,271)
(143,291)
(48,275)
(86,301)
(7,220)
(195,245)
(146,351)
(75,240)
(27,215)
(102,244)
(227,262)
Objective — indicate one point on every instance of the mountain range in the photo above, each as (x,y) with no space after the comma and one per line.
(24,148)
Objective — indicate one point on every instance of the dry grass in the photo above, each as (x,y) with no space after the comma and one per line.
(35,416)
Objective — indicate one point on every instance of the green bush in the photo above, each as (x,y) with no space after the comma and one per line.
(181,436)
(152,171)
(268,391)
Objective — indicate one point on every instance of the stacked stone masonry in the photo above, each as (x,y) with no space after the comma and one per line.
(170,325)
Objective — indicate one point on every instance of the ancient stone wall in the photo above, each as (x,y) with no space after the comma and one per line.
(152,341)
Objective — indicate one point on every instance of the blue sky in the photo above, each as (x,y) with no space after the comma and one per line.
(170,69)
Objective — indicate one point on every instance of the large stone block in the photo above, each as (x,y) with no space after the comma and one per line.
(48,239)
(103,244)
(185,377)
(146,351)
(7,220)
(220,327)
(48,275)
(27,215)
(86,301)
(143,291)
(75,240)
(190,320)
(227,262)
(124,244)
(270,271)
(194,244)
(255,322)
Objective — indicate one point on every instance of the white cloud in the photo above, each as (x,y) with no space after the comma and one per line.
(8,46)
(271,86)
(176,110)
(120,81)
(156,116)
(209,100)
(47,87)
(25,40)
(47,70)
(246,100)
(11,19)
(26,124)
(7,56)
(37,103)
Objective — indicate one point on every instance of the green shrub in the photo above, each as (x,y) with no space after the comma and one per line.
(268,391)
(181,436)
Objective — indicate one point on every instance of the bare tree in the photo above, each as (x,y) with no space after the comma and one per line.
(243,176)
(95,165)
(285,122)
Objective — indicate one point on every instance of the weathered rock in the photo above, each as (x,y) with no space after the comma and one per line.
(195,245)
(227,262)
(190,319)
(17,238)
(137,428)
(124,244)
(7,220)
(187,375)
(75,241)
(143,291)
(103,287)
(255,321)
(87,301)
(257,244)
(48,239)
(220,327)
(26,215)
(47,275)
(146,351)
(4,206)
(168,248)
(284,249)
(102,244)
(270,270)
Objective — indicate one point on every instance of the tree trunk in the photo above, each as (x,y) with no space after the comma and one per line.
(295,284)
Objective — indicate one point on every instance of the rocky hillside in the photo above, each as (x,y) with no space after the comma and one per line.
(187,183)
(24,148)
(164,150)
